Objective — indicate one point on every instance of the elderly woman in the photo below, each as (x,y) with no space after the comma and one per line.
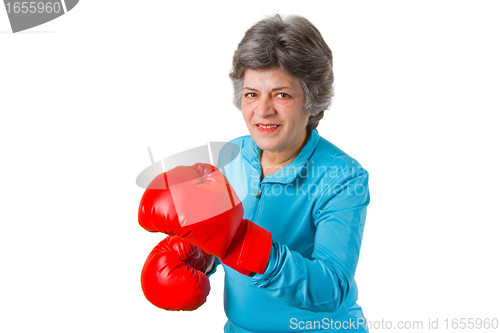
(291,247)
(308,193)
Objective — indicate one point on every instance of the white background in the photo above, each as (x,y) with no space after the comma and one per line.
(83,96)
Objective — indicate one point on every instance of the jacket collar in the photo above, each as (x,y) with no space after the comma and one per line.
(251,152)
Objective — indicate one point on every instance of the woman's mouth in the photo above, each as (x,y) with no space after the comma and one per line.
(267,128)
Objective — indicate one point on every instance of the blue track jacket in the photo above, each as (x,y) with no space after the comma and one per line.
(315,208)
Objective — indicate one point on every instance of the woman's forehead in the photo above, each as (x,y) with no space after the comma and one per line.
(273,79)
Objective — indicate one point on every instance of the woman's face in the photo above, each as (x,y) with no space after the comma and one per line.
(273,108)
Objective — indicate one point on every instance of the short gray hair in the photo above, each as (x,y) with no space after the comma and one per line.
(295,46)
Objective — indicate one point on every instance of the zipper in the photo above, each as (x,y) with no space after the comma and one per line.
(256,204)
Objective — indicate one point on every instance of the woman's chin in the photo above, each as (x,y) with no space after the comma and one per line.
(267,144)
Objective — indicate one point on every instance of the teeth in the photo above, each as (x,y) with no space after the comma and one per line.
(273,126)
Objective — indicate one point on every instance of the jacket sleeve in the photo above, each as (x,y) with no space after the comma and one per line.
(322,283)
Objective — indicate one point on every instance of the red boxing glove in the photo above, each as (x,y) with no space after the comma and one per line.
(198,204)
(173,276)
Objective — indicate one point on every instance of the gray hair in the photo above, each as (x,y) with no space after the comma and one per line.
(295,46)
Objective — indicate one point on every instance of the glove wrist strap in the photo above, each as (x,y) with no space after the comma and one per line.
(249,252)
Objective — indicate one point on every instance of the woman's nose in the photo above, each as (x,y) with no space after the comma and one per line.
(264,107)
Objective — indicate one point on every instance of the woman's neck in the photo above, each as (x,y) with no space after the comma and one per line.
(271,162)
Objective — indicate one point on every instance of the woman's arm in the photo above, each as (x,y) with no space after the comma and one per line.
(322,283)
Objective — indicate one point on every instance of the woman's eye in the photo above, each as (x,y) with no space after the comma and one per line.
(251,95)
(282,95)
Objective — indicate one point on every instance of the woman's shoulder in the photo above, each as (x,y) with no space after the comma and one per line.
(235,146)
(242,140)
(228,151)
(328,154)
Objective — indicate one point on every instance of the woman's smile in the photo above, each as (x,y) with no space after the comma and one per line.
(267,128)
